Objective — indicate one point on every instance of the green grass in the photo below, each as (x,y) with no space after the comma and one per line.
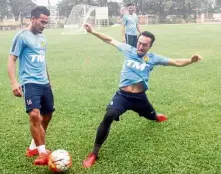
(85,74)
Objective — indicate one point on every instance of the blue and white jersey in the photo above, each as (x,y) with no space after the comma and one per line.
(136,69)
(130,22)
(30,49)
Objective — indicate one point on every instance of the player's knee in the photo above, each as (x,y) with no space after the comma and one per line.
(35,116)
(110,115)
(47,117)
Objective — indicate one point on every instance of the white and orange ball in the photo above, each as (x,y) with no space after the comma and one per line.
(59,161)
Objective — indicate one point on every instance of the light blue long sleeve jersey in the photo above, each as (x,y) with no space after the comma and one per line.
(30,49)
(130,22)
(136,69)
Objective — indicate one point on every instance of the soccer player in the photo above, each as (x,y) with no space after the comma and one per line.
(130,26)
(29,47)
(133,83)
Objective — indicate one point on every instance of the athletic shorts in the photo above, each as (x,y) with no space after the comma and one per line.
(131,40)
(137,102)
(38,96)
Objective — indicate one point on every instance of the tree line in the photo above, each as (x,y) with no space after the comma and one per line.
(161,8)
(15,8)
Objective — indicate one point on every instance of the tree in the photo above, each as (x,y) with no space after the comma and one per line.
(65,7)
(218,3)
(162,8)
(18,6)
(3,9)
(113,9)
(15,7)
(187,7)
(103,3)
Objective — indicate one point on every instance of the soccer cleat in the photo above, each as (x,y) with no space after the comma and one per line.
(34,152)
(30,153)
(90,160)
(42,159)
(161,118)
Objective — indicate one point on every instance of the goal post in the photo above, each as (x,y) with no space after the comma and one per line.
(81,14)
(101,17)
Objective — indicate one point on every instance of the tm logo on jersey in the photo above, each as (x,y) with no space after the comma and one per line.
(136,65)
(38,58)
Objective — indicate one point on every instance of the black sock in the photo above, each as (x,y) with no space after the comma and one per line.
(103,130)
(96,149)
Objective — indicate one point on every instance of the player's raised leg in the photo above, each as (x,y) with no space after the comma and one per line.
(101,136)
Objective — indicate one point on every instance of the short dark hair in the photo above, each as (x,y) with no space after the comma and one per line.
(37,11)
(130,4)
(148,34)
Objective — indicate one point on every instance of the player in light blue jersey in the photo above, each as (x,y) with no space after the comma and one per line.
(134,82)
(130,26)
(29,47)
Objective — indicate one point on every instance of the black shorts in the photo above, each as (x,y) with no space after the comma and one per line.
(131,40)
(38,96)
(138,102)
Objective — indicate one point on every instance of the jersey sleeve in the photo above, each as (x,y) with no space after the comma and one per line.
(124,20)
(122,46)
(160,60)
(17,46)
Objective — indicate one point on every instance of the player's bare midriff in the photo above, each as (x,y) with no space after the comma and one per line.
(135,88)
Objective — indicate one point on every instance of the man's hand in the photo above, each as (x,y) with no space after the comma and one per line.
(102,36)
(124,41)
(88,28)
(196,58)
(16,89)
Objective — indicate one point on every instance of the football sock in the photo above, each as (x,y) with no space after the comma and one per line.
(32,145)
(103,129)
(96,149)
(41,149)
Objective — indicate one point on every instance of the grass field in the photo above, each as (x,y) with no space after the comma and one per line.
(85,73)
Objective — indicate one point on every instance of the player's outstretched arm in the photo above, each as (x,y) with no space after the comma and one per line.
(101,36)
(184,62)
(123,33)
(138,29)
(16,88)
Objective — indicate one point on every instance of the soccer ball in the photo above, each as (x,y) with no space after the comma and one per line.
(59,161)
